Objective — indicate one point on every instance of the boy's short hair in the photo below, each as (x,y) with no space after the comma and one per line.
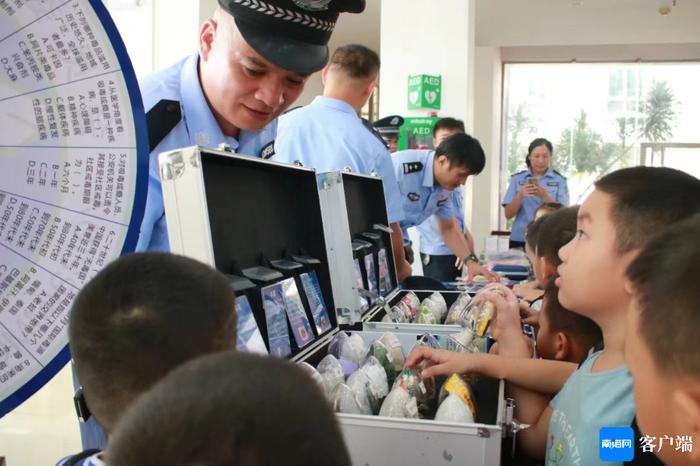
(356,61)
(582,329)
(646,200)
(139,318)
(449,123)
(462,150)
(231,409)
(549,206)
(555,231)
(531,232)
(665,279)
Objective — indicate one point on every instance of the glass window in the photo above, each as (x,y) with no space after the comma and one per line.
(598,117)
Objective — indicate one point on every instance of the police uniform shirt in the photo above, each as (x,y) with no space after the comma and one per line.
(553,182)
(180,83)
(328,135)
(431,242)
(420,197)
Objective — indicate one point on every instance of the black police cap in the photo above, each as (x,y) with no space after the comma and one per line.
(389,124)
(292,34)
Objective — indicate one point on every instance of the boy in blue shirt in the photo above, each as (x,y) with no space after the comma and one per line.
(613,225)
(661,346)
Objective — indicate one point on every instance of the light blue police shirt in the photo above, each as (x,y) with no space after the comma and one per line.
(180,82)
(420,196)
(327,135)
(431,242)
(552,181)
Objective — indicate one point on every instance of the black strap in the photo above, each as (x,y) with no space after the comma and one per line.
(374,131)
(77,458)
(161,119)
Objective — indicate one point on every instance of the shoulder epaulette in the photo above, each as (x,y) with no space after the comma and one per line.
(161,119)
(554,171)
(412,167)
(520,172)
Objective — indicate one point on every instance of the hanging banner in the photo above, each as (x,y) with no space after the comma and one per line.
(73,175)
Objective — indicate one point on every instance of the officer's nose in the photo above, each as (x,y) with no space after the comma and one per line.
(271,94)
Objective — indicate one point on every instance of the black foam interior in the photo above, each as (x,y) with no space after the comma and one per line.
(364,197)
(261,211)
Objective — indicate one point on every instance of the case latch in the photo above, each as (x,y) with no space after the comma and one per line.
(224,147)
(510,426)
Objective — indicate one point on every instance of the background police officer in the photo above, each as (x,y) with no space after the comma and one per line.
(388,128)
(426,181)
(438,260)
(530,188)
(329,135)
(252,63)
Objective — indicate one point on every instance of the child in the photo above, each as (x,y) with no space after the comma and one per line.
(564,335)
(547,208)
(230,409)
(613,224)
(545,236)
(139,318)
(661,347)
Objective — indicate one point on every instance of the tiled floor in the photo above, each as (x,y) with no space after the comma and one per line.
(44,428)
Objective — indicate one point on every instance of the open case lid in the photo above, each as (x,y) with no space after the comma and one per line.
(367,215)
(238,212)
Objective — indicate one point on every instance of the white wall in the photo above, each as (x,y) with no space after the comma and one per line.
(487,128)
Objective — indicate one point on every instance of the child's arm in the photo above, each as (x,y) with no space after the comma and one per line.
(543,376)
(531,408)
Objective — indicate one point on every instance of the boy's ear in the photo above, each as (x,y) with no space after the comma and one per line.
(629,287)
(546,267)
(562,346)
(686,403)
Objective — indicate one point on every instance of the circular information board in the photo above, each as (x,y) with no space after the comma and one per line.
(73,175)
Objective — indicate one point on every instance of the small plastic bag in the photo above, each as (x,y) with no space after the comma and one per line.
(454,409)
(399,403)
(331,373)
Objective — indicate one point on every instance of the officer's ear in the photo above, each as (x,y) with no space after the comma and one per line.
(207,33)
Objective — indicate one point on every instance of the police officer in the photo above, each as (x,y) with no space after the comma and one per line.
(252,63)
(530,188)
(426,180)
(438,260)
(328,135)
(388,128)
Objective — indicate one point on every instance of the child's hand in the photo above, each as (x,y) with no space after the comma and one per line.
(529,316)
(442,362)
(507,316)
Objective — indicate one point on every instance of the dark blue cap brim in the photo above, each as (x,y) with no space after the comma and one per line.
(293,55)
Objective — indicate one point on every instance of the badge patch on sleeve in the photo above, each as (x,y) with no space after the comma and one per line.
(268,150)
(414,197)
(412,167)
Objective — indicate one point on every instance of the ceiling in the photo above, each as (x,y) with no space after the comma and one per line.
(511,23)
(508,23)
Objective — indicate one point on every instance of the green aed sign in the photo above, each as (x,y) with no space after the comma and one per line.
(417,133)
(424,91)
